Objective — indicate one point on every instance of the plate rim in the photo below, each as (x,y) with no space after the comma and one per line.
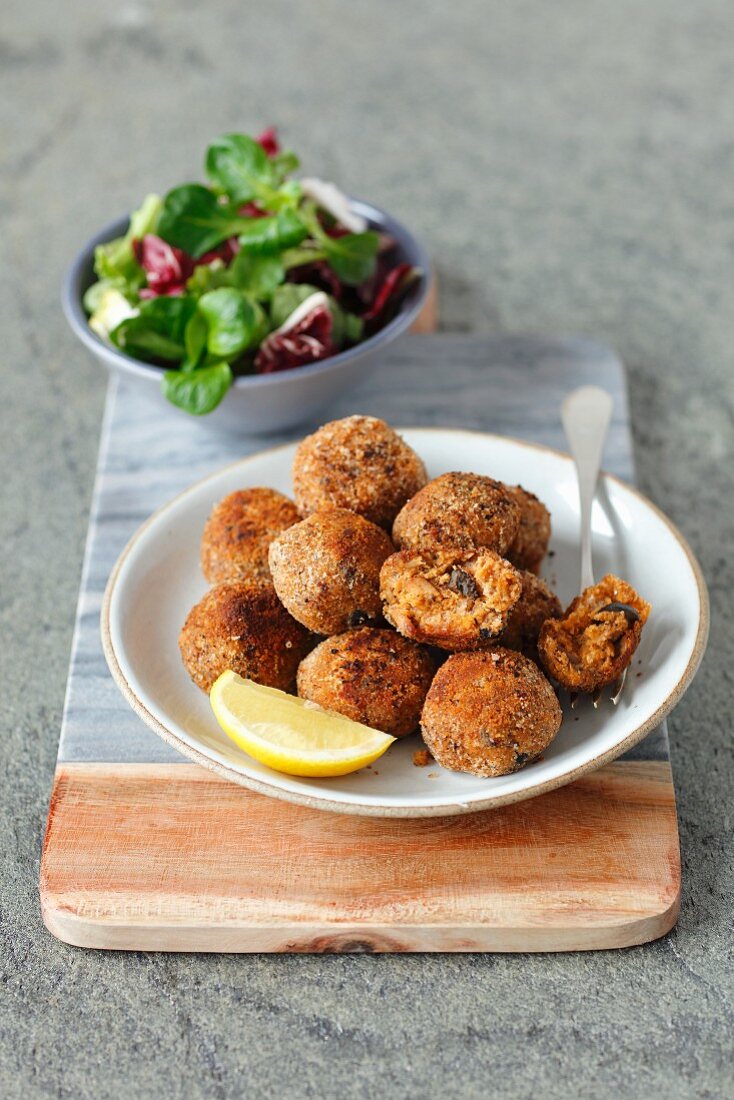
(323,802)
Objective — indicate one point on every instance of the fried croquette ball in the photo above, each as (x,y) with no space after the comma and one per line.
(530,544)
(464,510)
(592,644)
(239,531)
(372,676)
(489,713)
(456,599)
(243,626)
(536,604)
(358,463)
(326,570)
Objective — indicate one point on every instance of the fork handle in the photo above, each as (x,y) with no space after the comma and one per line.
(586,414)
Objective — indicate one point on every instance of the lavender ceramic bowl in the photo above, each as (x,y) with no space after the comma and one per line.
(266,402)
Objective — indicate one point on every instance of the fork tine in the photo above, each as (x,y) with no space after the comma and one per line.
(619,688)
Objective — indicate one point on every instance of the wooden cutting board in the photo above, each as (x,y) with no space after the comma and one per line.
(146,851)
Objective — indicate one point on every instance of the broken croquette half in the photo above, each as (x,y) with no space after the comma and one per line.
(489,713)
(455,600)
(593,643)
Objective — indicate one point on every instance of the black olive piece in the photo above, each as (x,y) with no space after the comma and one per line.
(462,582)
(358,618)
(630,613)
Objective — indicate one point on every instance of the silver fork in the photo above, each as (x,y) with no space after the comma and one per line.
(586,414)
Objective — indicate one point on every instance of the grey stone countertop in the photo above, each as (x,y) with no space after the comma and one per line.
(570,168)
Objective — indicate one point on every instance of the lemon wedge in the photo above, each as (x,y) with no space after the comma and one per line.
(290,734)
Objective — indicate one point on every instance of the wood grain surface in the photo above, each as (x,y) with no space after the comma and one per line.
(198,864)
(427,319)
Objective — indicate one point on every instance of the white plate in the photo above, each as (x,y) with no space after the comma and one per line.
(157,579)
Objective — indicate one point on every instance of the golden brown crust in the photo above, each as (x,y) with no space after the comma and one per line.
(372,676)
(326,570)
(242,625)
(536,604)
(239,531)
(489,713)
(459,510)
(533,534)
(358,463)
(589,648)
(456,599)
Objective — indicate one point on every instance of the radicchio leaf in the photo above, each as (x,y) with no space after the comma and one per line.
(389,291)
(317,274)
(251,210)
(166,268)
(306,342)
(268,139)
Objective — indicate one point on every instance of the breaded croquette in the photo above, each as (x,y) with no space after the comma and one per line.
(489,713)
(357,463)
(372,676)
(239,531)
(530,544)
(326,570)
(536,604)
(459,510)
(243,626)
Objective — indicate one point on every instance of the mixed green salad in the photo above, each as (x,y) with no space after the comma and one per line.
(253,272)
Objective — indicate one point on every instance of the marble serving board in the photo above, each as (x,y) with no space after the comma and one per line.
(144,850)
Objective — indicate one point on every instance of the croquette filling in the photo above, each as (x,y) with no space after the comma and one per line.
(594,634)
(592,641)
(470,598)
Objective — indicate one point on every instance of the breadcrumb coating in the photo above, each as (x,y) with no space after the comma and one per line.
(530,544)
(326,570)
(489,713)
(239,531)
(358,463)
(243,626)
(459,510)
(372,676)
(536,604)
(593,643)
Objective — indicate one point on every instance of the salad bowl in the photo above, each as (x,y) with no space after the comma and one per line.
(260,403)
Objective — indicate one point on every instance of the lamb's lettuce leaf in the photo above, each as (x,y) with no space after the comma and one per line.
(193,219)
(158,331)
(196,221)
(256,275)
(274,233)
(352,258)
(197,391)
(239,168)
(233,322)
